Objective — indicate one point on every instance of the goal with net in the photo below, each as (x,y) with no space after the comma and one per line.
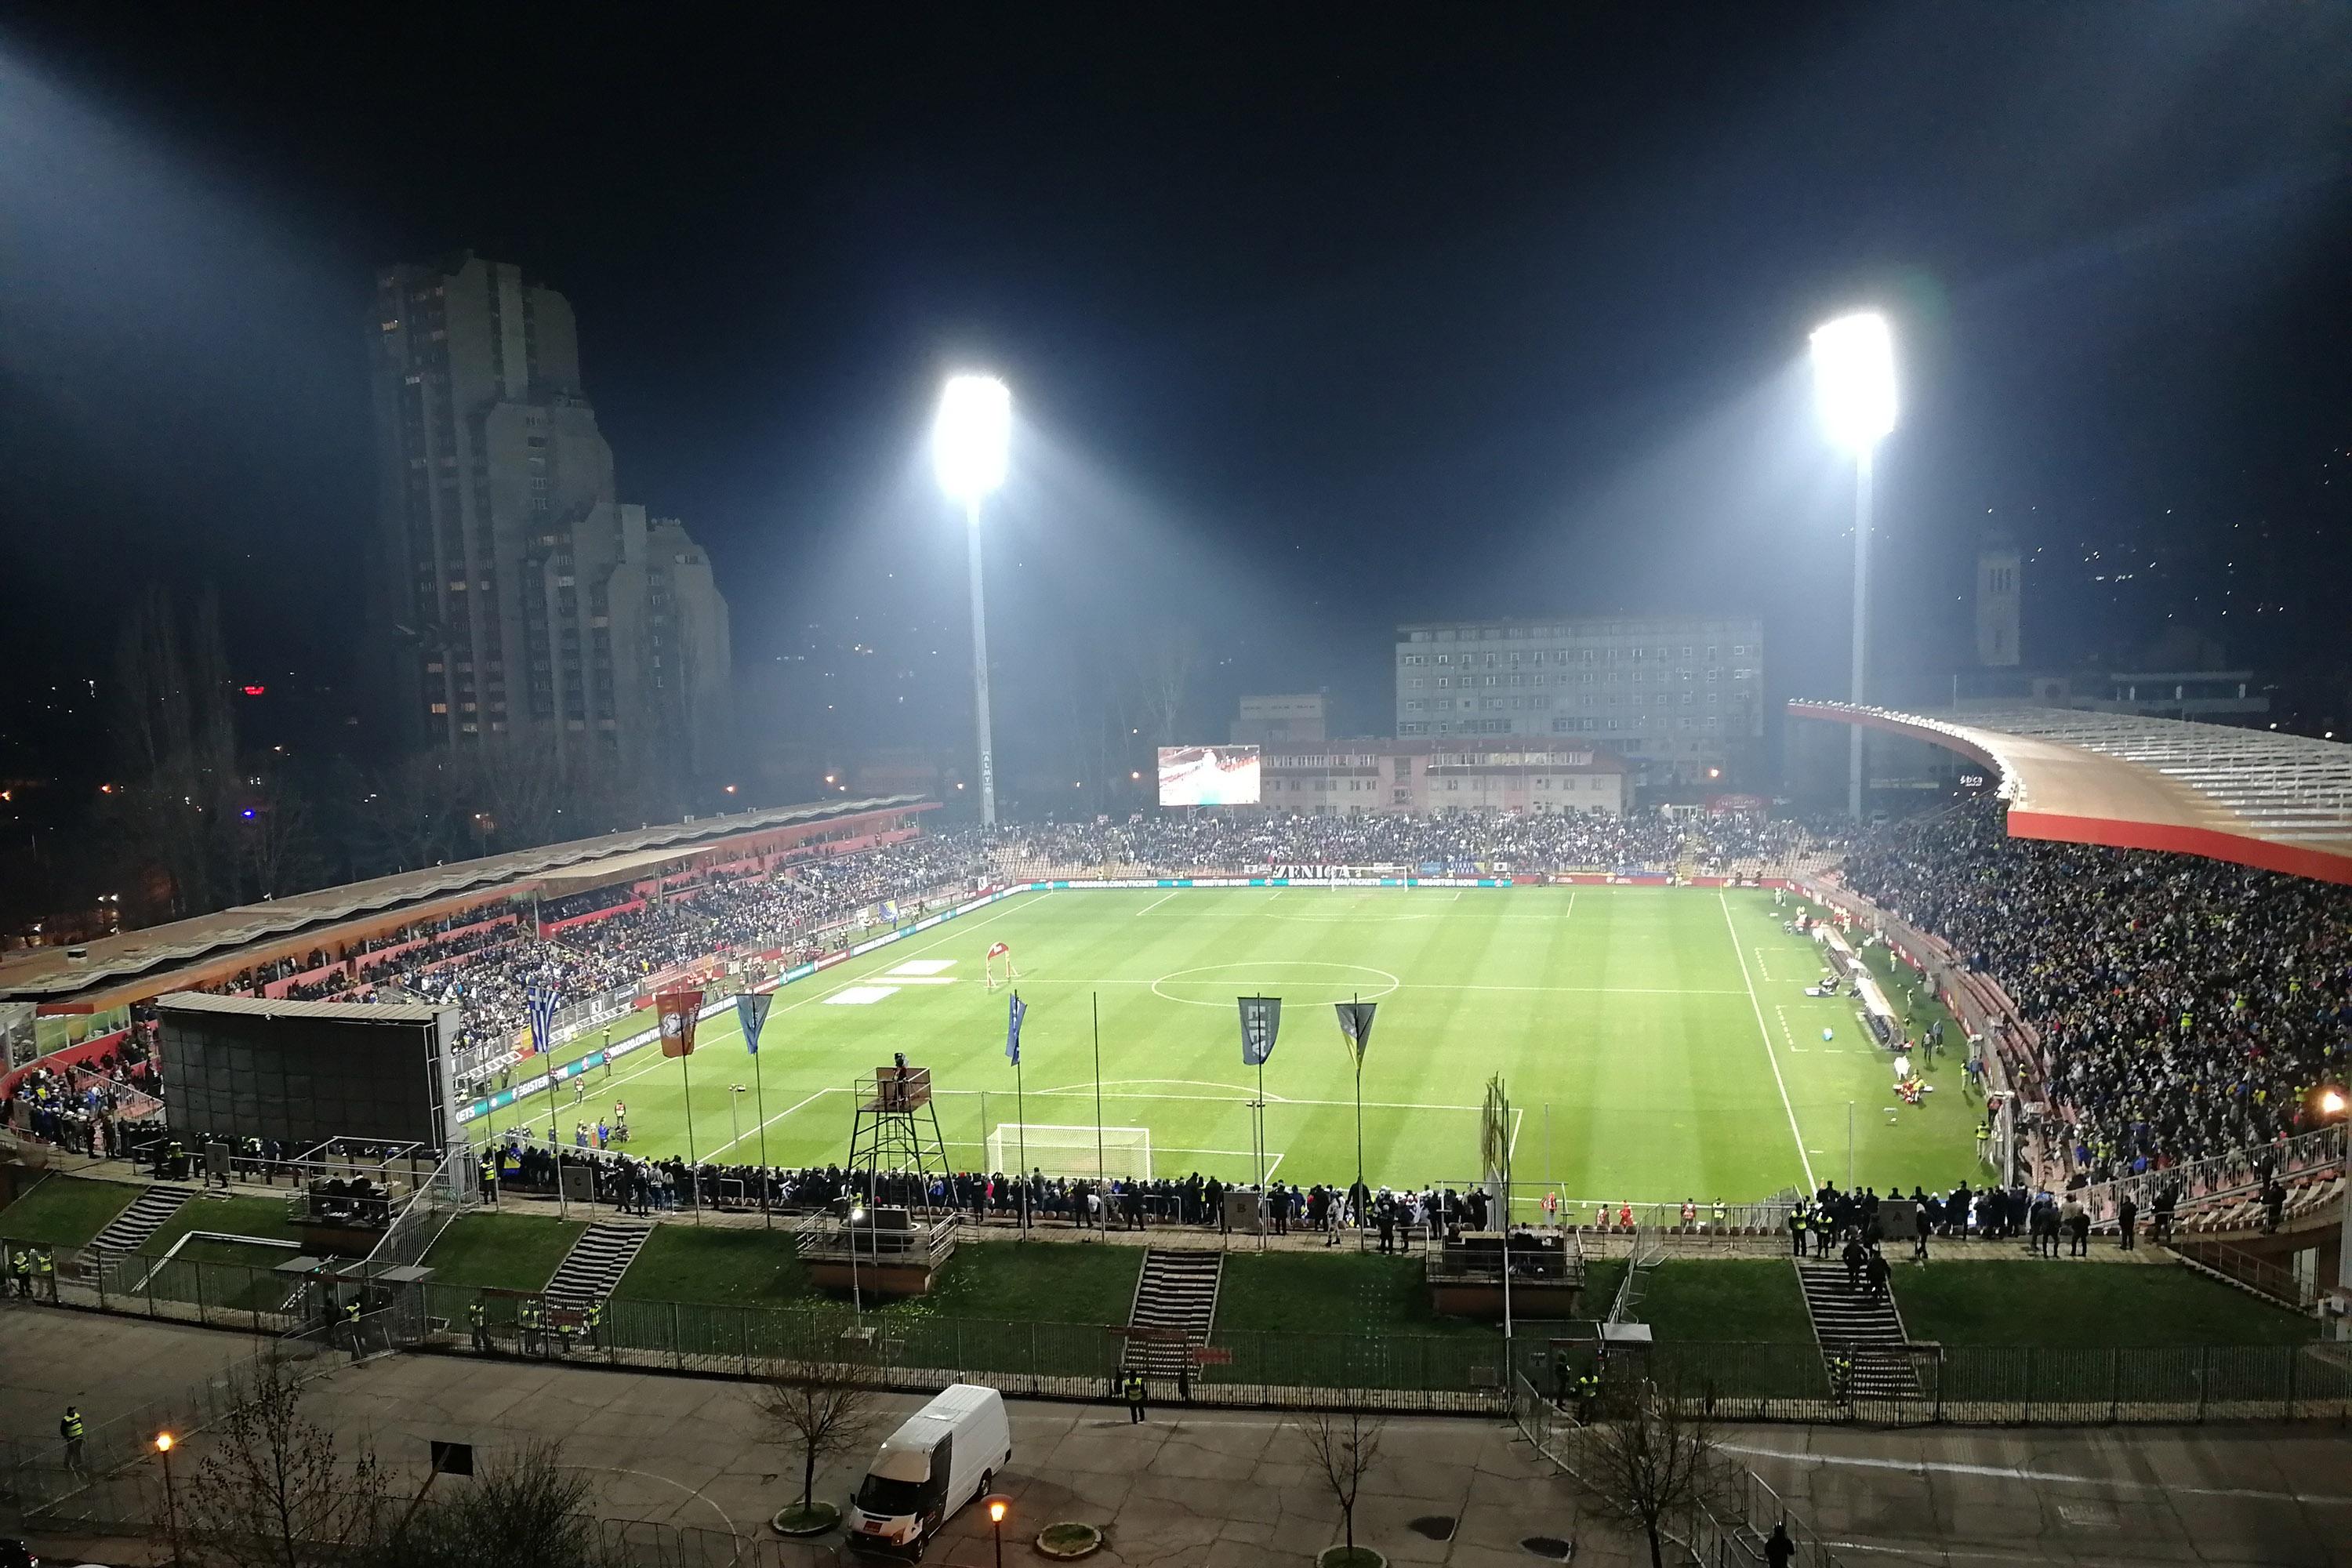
(1126,1152)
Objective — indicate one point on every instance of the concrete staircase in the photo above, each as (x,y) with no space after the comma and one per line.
(1175,1292)
(595,1264)
(1848,1322)
(128,1230)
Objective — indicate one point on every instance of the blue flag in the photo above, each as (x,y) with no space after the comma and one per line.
(751,1009)
(540,1006)
(1013,1029)
(890,910)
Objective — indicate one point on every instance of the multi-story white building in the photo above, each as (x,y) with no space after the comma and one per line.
(1680,697)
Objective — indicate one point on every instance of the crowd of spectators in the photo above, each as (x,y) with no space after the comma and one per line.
(646,1186)
(1646,841)
(2185,1007)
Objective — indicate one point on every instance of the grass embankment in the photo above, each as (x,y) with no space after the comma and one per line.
(66,1211)
(501,1252)
(1330,1293)
(715,1267)
(1746,1300)
(2059,1305)
(262,1217)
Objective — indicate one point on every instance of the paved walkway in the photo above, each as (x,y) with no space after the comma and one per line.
(1223,1490)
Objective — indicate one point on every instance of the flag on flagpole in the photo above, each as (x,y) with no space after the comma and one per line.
(1019,1010)
(540,1005)
(677,1009)
(751,1010)
(1261,1021)
(890,910)
(1356,1025)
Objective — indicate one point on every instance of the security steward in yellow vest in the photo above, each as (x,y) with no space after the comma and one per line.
(477,1317)
(1136,1395)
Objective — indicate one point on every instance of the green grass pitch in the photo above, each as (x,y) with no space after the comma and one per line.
(1656,1043)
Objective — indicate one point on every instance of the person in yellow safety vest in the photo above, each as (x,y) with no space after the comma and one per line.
(69,1428)
(1587,1394)
(479,1317)
(1799,1220)
(1722,1216)
(20,1273)
(596,1322)
(489,1177)
(45,1273)
(1136,1393)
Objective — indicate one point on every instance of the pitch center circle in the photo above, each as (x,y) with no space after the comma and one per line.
(1327,983)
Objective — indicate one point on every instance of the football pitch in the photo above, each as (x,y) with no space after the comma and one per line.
(1657,1045)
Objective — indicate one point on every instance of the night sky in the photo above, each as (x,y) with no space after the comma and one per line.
(1318,318)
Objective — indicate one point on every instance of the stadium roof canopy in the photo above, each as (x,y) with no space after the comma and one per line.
(55,974)
(2282,803)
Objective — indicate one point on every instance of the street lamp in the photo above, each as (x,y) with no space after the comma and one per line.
(968,443)
(1853,387)
(998,1507)
(163,1441)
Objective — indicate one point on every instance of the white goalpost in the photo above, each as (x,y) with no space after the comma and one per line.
(1126,1152)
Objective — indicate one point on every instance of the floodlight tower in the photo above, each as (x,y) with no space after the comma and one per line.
(968,443)
(1854,385)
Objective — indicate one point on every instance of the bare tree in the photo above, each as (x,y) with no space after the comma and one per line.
(1651,1462)
(530,1509)
(815,1408)
(1166,660)
(175,744)
(275,1491)
(1346,1446)
(411,813)
(276,852)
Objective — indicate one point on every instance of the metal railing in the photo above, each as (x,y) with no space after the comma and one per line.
(1725,1525)
(1426,1374)
(2241,1173)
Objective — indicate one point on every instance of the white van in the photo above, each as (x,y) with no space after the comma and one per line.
(948,1454)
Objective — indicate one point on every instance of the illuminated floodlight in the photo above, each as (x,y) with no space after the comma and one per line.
(1853,379)
(2331,1102)
(969,437)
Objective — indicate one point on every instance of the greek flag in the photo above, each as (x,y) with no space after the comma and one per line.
(1013,1029)
(539,1001)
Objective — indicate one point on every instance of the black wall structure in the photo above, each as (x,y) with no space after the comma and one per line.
(303,1073)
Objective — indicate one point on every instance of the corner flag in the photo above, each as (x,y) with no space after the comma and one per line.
(1019,1010)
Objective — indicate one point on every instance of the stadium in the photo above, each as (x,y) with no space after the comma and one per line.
(1539,785)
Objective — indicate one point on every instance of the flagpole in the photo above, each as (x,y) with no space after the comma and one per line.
(1262,1204)
(1356,1198)
(760,1090)
(1021,1126)
(1098,1127)
(693,1178)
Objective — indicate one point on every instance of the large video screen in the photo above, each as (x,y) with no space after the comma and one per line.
(1208,775)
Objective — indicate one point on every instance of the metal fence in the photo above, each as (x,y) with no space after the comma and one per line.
(1725,1526)
(1466,1374)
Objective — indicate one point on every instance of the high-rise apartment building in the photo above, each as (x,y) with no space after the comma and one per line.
(1675,696)
(513,592)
